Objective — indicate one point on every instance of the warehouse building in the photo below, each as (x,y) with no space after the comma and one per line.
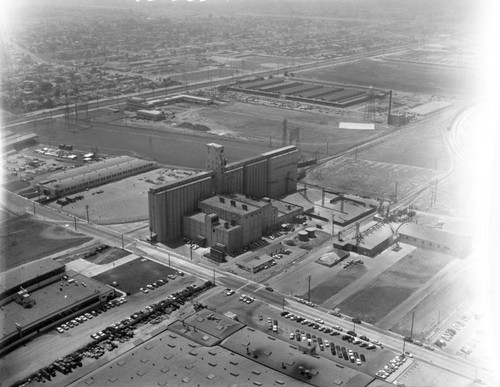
(272,174)
(94,175)
(437,240)
(253,263)
(40,295)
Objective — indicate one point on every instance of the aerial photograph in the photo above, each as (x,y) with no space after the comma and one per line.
(248,193)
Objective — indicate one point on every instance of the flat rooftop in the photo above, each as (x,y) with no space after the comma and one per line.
(172,360)
(232,204)
(20,274)
(273,353)
(50,300)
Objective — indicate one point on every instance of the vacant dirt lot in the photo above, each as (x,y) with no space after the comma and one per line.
(24,239)
(394,285)
(370,178)
(262,123)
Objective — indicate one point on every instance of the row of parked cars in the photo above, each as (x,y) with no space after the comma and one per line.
(160,282)
(306,302)
(89,315)
(391,367)
(335,330)
(450,334)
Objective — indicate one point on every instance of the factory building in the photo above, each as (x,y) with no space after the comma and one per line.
(437,240)
(94,175)
(38,296)
(234,221)
(154,115)
(272,174)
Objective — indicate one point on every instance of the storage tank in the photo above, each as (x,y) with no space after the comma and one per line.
(303,236)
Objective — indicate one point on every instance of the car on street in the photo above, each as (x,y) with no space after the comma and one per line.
(408,354)
(230,292)
(144,290)
(356,320)
(269,289)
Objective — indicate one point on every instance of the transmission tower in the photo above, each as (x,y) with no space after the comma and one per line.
(370,105)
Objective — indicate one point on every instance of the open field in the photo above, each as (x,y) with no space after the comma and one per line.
(417,78)
(369,178)
(162,146)
(332,285)
(24,239)
(258,122)
(419,144)
(135,274)
(394,285)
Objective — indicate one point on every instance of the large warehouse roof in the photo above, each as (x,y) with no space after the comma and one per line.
(91,176)
(91,167)
(19,275)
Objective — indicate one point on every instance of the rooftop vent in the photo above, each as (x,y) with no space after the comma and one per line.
(245,207)
(233,203)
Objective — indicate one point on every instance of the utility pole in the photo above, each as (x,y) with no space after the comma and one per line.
(123,245)
(87,208)
(34,213)
(283,304)
(396,193)
(435,190)
(191,251)
(74,217)
(309,291)
(333,225)
(214,275)
(412,320)
(168,259)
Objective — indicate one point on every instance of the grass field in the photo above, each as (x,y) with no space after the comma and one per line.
(135,274)
(334,284)
(24,239)
(394,285)
(416,78)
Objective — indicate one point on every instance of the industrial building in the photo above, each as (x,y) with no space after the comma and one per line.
(254,263)
(234,221)
(437,240)
(371,241)
(39,295)
(94,175)
(272,174)
(155,115)
(137,103)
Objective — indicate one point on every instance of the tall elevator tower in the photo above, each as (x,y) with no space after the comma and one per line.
(216,162)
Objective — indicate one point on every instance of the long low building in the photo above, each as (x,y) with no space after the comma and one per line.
(437,240)
(41,296)
(102,172)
